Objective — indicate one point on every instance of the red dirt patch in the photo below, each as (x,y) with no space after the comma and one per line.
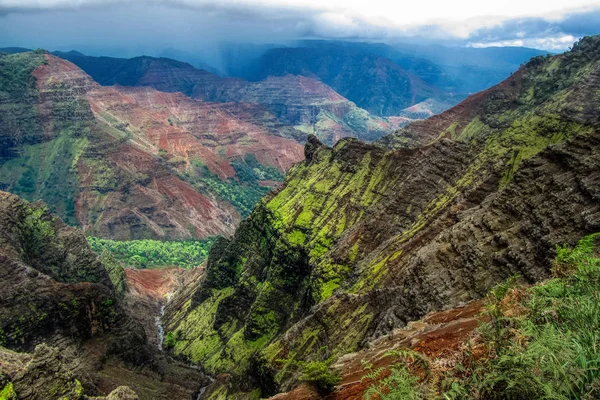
(156,283)
(438,334)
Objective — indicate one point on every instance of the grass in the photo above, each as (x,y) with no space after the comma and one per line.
(243,191)
(541,342)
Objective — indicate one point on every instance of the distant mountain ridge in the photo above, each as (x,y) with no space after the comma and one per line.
(374,83)
(408,81)
(311,107)
(387,79)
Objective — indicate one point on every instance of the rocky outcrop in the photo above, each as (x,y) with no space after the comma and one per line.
(43,374)
(436,336)
(53,280)
(362,239)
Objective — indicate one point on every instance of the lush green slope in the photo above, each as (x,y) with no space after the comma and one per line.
(32,164)
(362,239)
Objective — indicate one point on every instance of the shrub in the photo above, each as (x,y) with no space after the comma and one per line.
(8,392)
(541,342)
(400,383)
(319,375)
(34,232)
(169,341)
(154,253)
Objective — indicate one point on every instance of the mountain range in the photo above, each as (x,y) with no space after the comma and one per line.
(142,137)
(131,163)
(388,79)
(304,103)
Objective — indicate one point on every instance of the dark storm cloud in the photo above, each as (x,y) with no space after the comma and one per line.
(135,26)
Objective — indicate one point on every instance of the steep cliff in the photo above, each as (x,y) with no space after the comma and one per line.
(363,238)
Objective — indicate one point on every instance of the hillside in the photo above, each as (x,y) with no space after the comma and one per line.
(312,107)
(132,163)
(64,330)
(304,103)
(362,239)
(374,83)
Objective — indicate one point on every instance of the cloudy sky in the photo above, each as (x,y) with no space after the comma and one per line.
(140,25)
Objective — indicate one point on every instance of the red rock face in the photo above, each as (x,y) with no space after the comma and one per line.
(307,104)
(302,102)
(437,336)
(139,143)
(186,128)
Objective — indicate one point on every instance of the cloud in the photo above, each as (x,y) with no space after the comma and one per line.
(544,33)
(193,24)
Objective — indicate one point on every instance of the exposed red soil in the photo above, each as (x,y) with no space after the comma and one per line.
(211,132)
(438,334)
(156,283)
(149,289)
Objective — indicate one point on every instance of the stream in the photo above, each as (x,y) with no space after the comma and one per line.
(161,337)
(203,388)
(161,330)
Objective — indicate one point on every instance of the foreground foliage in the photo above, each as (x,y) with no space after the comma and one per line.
(541,342)
(154,253)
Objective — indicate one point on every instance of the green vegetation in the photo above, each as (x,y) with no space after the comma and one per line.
(38,163)
(320,375)
(169,341)
(399,384)
(154,253)
(35,230)
(243,191)
(16,81)
(116,271)
(8,392)
(47,171)
(541,342)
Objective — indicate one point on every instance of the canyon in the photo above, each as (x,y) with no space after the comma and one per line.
(363,238)
(131,163)
(346,253)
